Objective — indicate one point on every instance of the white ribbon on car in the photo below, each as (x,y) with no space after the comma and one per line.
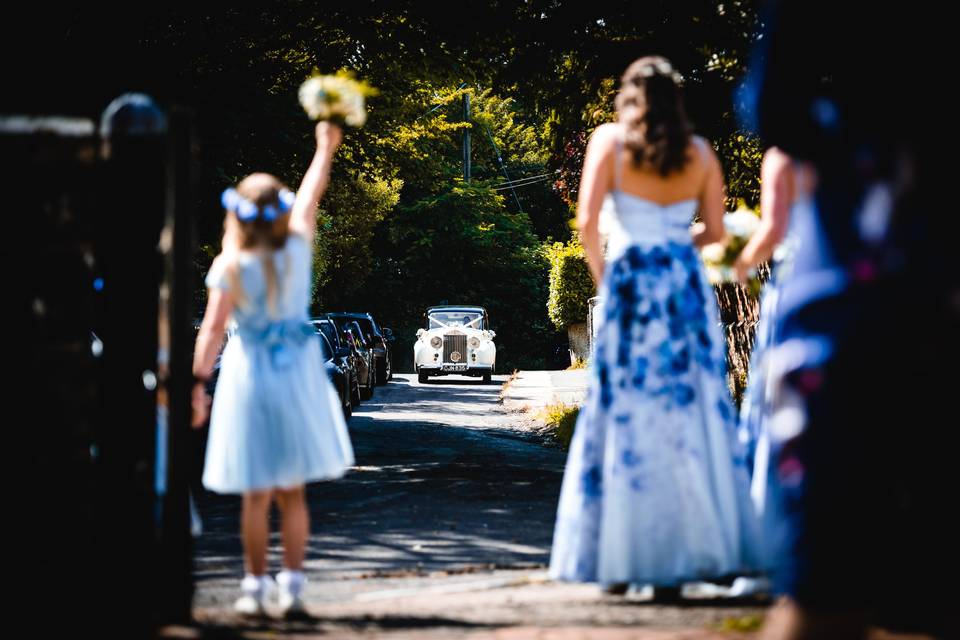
(447,326)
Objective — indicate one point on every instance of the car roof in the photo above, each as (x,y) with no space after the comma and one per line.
(357,315)
(457,307)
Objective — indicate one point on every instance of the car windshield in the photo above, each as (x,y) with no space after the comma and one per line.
(328,330)
(444,319)
(366,326)
(325,347)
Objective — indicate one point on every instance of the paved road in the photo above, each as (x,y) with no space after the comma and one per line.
(442,530)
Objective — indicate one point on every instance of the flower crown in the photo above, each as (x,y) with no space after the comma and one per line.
(662,68)
(247,210)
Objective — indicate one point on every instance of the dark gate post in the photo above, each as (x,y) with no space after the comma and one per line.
(177,245)
(131,196)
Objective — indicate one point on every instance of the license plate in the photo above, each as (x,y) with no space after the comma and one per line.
(454,367)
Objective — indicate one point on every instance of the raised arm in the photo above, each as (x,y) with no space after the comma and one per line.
(303,217)
(596,180)
(710,229)
(777,192)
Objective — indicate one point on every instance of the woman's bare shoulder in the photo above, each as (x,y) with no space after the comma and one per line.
(606,134)
(702,150)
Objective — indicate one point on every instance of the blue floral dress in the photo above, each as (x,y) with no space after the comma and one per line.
(655,489)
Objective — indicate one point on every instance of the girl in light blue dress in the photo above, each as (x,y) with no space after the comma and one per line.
(655,489)
(276,422)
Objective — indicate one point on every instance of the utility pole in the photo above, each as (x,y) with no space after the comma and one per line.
(466,137)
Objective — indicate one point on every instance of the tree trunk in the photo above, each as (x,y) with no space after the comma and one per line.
(579,342)
(739,314)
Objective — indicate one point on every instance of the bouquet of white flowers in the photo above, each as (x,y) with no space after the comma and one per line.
(718,258)
(338,98)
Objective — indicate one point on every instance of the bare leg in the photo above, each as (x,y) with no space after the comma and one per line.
(295,527)
(255,530)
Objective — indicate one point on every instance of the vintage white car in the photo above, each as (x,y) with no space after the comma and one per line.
(456,339)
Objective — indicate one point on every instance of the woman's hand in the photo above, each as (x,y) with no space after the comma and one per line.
(200,404)
(742,271)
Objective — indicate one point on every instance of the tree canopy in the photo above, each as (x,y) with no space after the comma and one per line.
(399,228)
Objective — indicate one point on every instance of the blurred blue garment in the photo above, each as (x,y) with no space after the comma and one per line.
(868,313)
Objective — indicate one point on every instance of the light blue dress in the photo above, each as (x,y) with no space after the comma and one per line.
(276,421)
(656,487)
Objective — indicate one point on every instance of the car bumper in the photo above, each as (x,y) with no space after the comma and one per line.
(459,370)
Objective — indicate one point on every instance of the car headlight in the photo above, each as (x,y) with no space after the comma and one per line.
(474,342)
(436,342)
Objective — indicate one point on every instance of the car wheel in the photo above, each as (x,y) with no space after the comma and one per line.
(367,392)
(355,394)
(422,377)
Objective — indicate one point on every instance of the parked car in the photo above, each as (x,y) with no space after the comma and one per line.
(338,368)
(380,339)
(344,353)
(455,339)
(352,335)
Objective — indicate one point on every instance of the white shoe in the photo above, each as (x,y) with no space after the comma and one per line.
(255,591)
(743,587)
(290,598)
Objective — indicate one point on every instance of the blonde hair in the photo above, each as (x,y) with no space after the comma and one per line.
(258,234)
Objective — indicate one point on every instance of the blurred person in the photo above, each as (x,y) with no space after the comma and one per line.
(276,421)
(655,488)
(786,185)
(865,321)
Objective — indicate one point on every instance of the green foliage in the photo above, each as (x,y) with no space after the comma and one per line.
(560,419)
(571,285)
(741,155)
(741,624)
(464,246)
(539,87)
(348,218)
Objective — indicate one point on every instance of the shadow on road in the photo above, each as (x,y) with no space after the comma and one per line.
(431,491)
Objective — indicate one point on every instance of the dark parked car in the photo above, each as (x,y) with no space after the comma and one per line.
(363,357)
(349,359)
(381,340)
(338,368)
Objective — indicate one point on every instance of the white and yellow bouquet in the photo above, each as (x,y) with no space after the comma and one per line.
(718,258)
(339,98)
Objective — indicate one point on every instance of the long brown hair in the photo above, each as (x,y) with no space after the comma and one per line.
(265,236)
(651,108)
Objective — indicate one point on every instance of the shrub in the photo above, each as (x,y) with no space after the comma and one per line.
(571,285)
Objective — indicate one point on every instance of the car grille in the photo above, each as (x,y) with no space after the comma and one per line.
(455,343)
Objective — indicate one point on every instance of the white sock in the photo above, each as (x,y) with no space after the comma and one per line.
(291,580)
(253,585)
